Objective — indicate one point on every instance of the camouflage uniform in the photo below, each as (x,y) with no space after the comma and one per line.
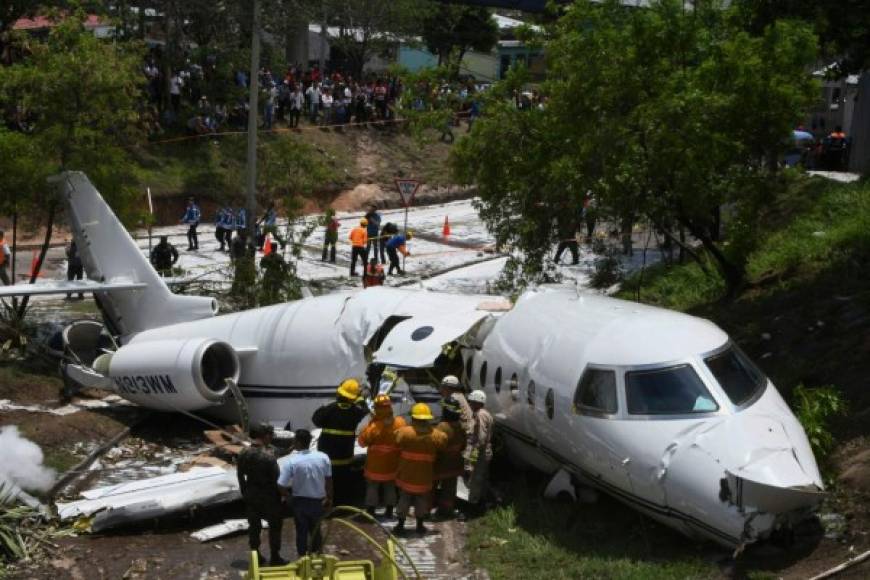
(258,480)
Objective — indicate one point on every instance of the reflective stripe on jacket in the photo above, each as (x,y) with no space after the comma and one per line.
(382,461)
(338,421)
(449,462)
(419,444)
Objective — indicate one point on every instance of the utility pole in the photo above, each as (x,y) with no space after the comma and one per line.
(323,32)
(252,127)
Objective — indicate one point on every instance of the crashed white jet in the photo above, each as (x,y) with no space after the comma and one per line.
(659,409)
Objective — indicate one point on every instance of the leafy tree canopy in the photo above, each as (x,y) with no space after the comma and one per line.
(450,31)
(662,113)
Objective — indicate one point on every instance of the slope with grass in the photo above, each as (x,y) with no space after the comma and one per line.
(213,168)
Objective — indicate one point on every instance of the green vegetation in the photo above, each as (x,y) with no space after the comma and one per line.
(813,227)
(535,538)
(815,408)
(664,132)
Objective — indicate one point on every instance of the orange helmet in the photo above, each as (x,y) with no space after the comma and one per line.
(383,401)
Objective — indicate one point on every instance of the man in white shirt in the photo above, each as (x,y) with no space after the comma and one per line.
(326,105)
(313,94)
(297,101)
(308,475)
(175,85)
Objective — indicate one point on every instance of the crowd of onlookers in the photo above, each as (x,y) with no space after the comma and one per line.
(297,93)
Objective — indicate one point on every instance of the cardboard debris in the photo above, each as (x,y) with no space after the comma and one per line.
(225,528)
(145,499)
(204,461)
(223,441)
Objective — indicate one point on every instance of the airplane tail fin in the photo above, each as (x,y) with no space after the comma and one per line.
(110,254)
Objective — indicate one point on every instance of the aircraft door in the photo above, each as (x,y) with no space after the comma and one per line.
(594,420)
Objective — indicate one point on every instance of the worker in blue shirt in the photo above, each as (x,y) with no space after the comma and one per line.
(191,218)
(220,223)
(373,227)
(270,225)
(308,475)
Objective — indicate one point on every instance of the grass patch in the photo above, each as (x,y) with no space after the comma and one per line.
(830,232)
(535,538)
(681,287)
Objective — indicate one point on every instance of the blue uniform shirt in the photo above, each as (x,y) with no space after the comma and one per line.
(396,241)
(271,217)
(241,219)
(191,215)
(305,472)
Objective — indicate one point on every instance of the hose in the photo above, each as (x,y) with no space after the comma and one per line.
(365,535)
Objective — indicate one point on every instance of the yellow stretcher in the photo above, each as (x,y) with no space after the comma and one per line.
(325,567)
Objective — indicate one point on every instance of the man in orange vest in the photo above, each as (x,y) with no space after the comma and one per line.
(419,443)
(5,258)
(449,463)
(358,240)
(382,461)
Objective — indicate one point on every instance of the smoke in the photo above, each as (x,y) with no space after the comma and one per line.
(21,462)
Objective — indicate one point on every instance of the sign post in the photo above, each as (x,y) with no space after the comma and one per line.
(407,189)
(150,220)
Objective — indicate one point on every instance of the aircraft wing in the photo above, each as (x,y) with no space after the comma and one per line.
(61,287)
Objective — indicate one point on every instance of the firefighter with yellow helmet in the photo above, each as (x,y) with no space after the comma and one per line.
(419,444)
(382,459)
(338,422)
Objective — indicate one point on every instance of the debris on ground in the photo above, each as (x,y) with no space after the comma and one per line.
(135,501)
(223,529)
(74,406)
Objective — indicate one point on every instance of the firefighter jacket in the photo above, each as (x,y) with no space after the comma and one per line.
(338,421)
(449,462)
(382,461)
(466,418)
(479,445)
(419,443)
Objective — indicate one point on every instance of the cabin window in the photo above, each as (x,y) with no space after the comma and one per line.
(531,393)
(676,390)
(483,375)
(596,392)
(739,378)
(498,380)
(550,403)
(515,387)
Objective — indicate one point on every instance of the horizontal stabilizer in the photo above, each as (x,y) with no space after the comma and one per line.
(61,287)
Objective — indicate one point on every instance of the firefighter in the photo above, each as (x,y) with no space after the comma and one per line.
(258,481)
(449,464)
(419,443)
(358,240)
(338,421)
(478,453)
(451,388)
(382,460)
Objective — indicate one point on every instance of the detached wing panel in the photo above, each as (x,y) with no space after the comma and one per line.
(67,288)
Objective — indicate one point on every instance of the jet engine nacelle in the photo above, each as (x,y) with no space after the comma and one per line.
(173,375)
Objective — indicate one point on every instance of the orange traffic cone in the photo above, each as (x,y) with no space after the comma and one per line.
(34,265)
(446,230)
(267,246)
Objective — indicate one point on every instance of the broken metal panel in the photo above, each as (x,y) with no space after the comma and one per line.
(135,501)
(418,341)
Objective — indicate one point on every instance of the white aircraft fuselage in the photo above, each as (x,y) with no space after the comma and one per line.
(657,408)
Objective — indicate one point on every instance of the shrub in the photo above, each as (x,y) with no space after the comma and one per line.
(815,408)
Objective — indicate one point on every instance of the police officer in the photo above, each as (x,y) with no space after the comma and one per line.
(191,218)
(338,421)
(163,256)
(258,481)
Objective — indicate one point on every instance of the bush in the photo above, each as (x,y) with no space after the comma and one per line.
(815,408)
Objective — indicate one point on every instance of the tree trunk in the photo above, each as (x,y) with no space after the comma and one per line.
(734,275)
(42,252)
(14,253)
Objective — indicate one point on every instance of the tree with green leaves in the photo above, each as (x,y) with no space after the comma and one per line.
(80,94)
(450,31)
(664,113)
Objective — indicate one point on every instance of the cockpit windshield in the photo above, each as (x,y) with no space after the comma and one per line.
(676,390)
(737,375)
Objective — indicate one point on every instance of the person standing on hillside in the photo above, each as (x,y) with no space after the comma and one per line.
(358,239)
(372,229)
(74,268)
(191,218)
(330,236)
